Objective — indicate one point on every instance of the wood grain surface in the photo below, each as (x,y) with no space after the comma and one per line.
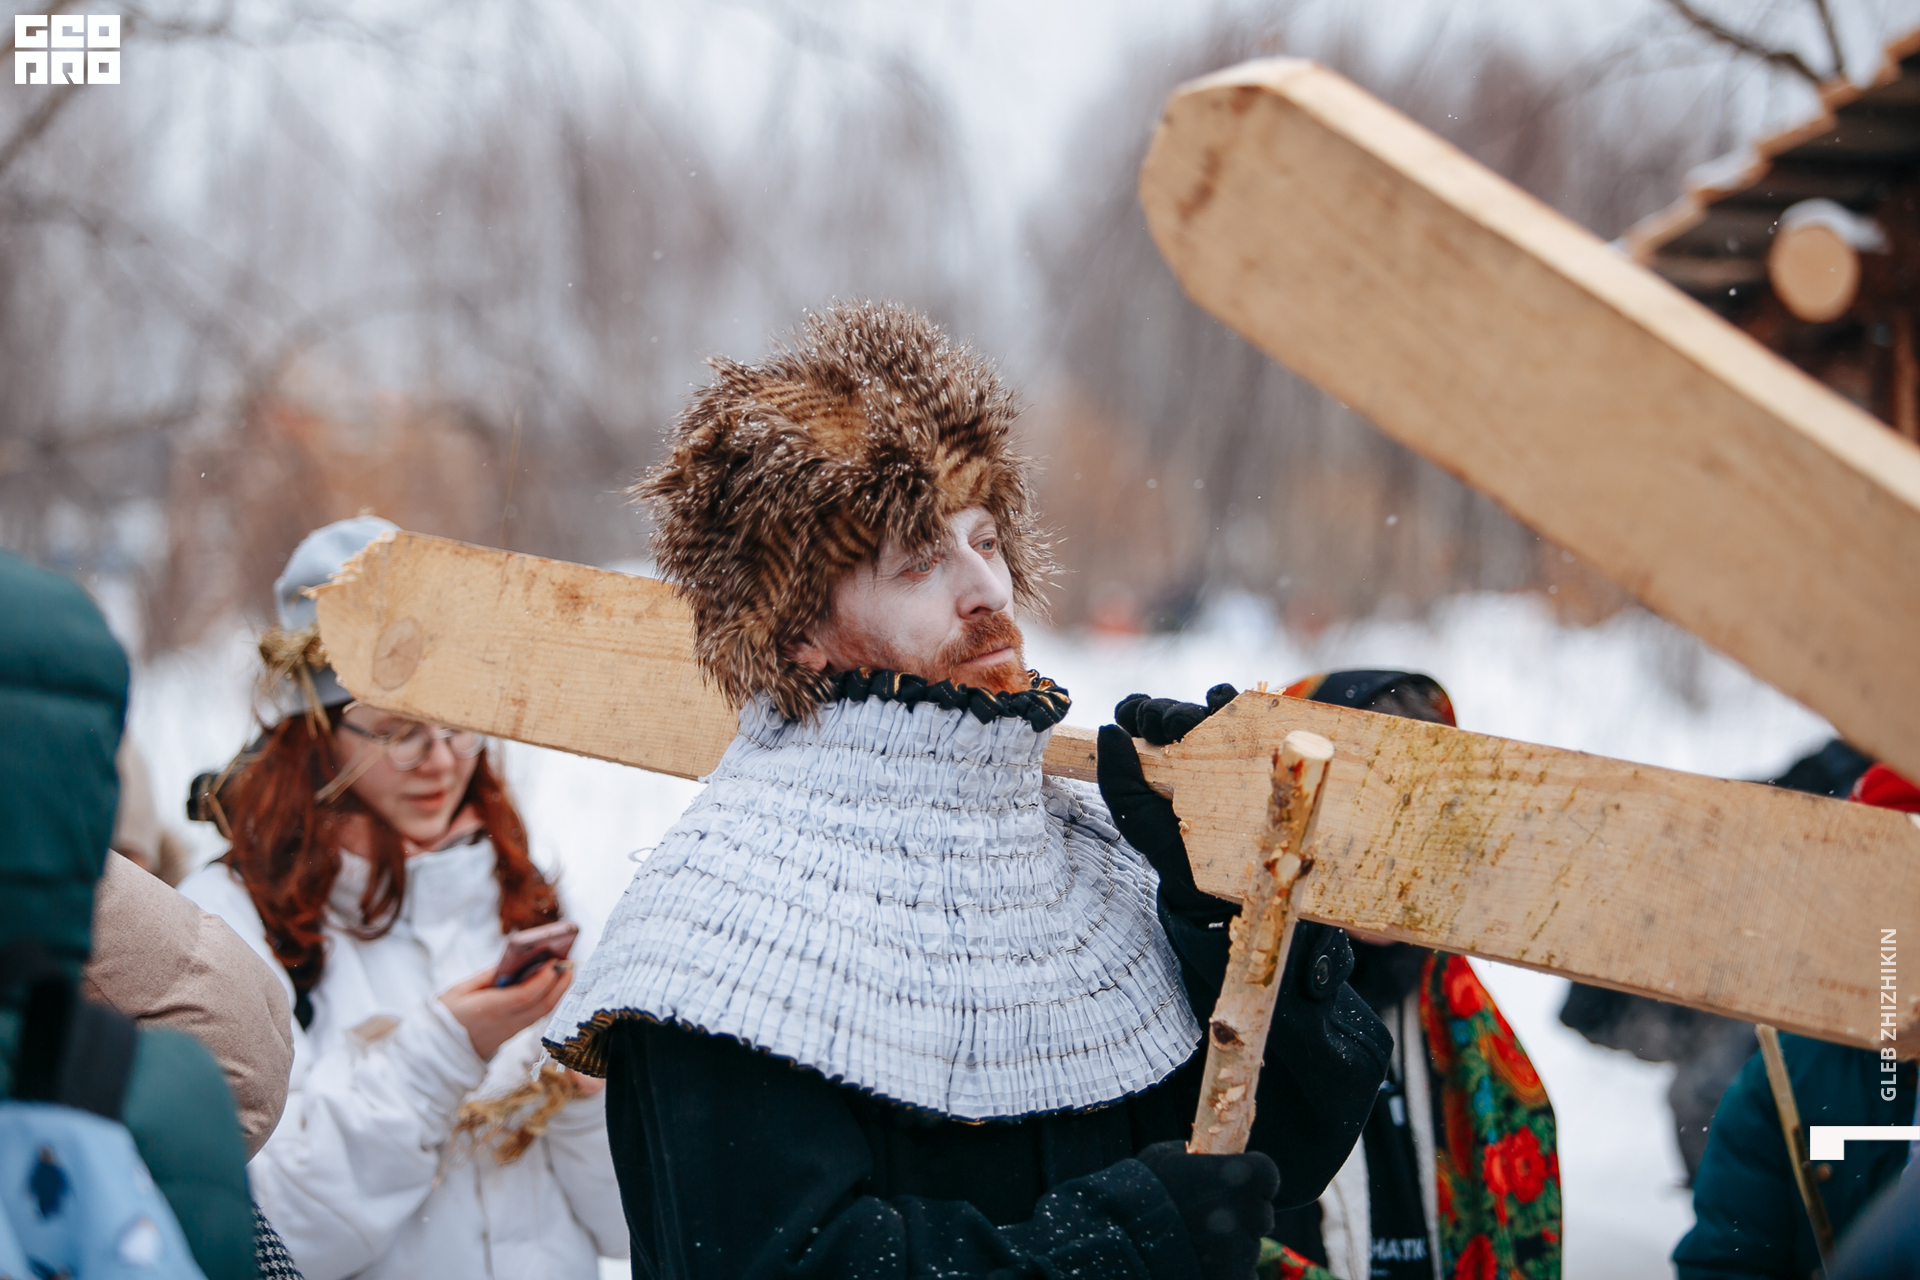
(1605,409)
(546,652)
(1739,898)
(542,651)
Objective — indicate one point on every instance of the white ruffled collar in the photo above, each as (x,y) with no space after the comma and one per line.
(891,894)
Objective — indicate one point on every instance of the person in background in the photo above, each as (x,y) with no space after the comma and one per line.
(63,693)
(1456,1172)
(1749,1219)
(1885,1243)
(162,961)
(138,834)
(378,865)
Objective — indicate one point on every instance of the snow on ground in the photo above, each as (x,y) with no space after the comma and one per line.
(1632,687)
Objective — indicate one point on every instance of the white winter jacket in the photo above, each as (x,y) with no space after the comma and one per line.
(363,1177)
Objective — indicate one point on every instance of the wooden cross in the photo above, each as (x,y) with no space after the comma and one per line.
(1728,491)
(1603,407)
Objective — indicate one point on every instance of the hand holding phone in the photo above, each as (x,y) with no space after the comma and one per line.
(528,949)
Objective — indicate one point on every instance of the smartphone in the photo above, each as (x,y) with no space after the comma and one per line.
(527,949)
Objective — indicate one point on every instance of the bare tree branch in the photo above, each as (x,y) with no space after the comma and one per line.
(58,7)
(1825,8)
(58,96)
(1784,58)
(18,455)
(43,115)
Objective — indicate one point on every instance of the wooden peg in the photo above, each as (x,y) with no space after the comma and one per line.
(1262,934)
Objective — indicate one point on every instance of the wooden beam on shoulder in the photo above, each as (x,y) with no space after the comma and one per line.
(1724,488)
(1739,898)
(540,651)
(1745,900)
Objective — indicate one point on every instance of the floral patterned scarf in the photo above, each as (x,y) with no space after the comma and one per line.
(1496,1168)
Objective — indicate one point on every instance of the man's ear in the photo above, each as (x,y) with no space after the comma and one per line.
(805,652)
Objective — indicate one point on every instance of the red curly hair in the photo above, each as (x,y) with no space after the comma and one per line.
(286,847)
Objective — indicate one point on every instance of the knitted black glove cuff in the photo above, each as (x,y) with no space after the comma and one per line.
(1226,1203)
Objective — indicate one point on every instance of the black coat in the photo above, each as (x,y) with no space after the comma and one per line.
(735,1165)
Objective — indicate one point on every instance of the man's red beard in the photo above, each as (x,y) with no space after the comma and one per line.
(982,636)
(978,637)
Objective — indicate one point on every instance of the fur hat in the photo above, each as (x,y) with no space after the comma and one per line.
(784,475)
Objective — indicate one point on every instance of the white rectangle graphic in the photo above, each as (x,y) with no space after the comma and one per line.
(1829,1141)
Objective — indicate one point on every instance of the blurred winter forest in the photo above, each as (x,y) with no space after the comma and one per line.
(458,263)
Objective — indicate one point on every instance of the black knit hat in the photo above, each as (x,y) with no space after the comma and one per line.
(1362,689)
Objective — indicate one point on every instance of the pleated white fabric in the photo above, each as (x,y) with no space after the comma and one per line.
(893,896)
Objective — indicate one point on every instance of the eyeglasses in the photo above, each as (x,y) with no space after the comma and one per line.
(410,748)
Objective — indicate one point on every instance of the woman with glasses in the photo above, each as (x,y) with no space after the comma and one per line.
(378,863)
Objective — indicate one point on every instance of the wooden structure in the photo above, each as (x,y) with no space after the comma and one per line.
(1721,485)
(1611,872)
(1728,241)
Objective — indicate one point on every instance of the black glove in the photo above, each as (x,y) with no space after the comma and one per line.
(1144,816)
(1225,1201)
(1164,720)
(1320,959)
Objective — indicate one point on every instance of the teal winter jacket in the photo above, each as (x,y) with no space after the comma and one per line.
(63,699)
(1749,1220)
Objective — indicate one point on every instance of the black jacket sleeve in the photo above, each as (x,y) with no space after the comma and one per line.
(734,1165)
(1326,1055)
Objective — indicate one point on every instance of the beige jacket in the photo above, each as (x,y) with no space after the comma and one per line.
(159,958)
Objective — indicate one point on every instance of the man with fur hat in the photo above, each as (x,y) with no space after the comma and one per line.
(887,1002)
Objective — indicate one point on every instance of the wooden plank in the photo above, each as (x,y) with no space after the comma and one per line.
(1605,409)
(541,651)
(1746,900)
(1743,899)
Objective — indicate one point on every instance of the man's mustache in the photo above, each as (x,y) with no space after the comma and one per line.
(980,636)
